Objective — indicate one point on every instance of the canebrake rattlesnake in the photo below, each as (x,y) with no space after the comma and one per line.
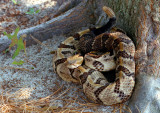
(90,56)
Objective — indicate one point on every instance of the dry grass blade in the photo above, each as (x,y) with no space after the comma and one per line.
(43,99)
(30,62)
(10,103)
(121,108)
(39,42)
(57,98)
(145,108)
(138,109)
(22,69)
(127,108)
(88,104)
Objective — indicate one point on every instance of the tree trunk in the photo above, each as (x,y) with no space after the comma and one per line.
(139,18)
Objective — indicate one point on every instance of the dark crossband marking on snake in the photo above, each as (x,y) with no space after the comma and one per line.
(89,56)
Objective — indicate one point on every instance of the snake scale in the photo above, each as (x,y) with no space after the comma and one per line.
(91,56)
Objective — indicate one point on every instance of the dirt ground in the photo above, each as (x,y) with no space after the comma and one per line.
(33,86)
(13,15)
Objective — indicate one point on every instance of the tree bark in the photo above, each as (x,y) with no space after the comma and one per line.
(139,18)
(71,21)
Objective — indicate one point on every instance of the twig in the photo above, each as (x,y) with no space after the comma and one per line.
(57,98)
(39,42)
(8,67)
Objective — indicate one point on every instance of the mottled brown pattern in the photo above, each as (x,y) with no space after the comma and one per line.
(97,43)
(124,70)
(99,80)
(84,76)
(94,55)
(117,90)
(98,65)
(66,52)
(59,61)
(87,59)
(71,73)
(66,46)
(108,44)
(118,44)
(124,54)
(76,36)
(98,91)
(118,40)
(86,43)
(126,97)
(105,37)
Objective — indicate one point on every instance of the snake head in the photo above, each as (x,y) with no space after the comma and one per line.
(74,61)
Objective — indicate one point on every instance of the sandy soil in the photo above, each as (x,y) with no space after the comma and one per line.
(35,79)
(13,15)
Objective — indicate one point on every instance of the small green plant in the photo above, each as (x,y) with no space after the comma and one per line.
(5,51)
(18,42)
(14,2)
(18,62)
(32,11)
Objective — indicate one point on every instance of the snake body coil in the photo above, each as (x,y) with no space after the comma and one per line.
(90,56)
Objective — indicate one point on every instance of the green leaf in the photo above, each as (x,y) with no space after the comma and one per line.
(16,53)
(18,62)
(16,32)
(32,67)
(14,1)
(37,11)
(8,35)
(14,36)
(31,11)
(28,13)
(20,46)
(15,41)
(20,43)
(6,50)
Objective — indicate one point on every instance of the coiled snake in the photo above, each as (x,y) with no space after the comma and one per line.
(90,56)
